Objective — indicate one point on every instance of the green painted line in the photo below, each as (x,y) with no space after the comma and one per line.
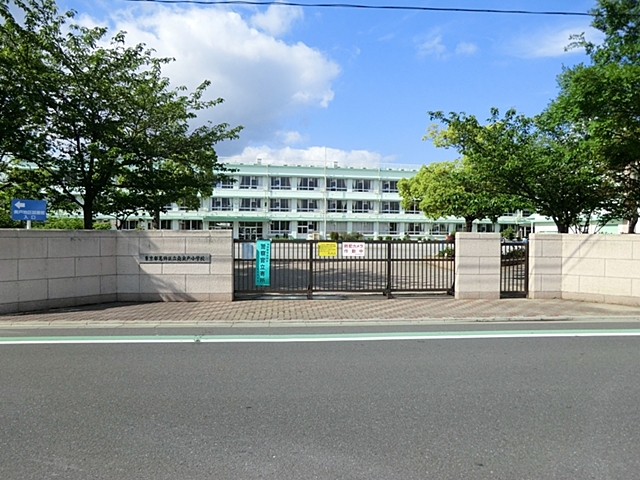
(337,337)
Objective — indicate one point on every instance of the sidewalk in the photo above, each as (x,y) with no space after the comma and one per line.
(336,311)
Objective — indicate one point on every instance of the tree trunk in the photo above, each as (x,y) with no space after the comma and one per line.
(562,227)
(633,221)
(87,214)
(468,224)
(156,220)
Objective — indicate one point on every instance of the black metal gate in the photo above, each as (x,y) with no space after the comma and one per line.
(514,269)
(296,267)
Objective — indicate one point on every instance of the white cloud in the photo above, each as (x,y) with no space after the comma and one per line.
(291,137)
(310,156)
(263,80)
(432,46)
(277,19)
(466,48)
(547,43)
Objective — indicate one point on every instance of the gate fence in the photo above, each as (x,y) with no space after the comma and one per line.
(514,269)
(386,267)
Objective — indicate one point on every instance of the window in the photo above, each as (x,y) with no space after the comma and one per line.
(249,182)
(485,228)
(388,228)
(279,228)
(249,230)
(414,228)
(365,228)
(250,204)
(439,228)
(280,183)
(414,209)
(337,206)
(336,185)
(225,183)
(362,206)
(279,205)
(390,186)
(362,185)
(220,226)
(221,204)
(390,207)
(307,183)
(166,224)
(307,205)
(460,227)
(338,227)
(307,227)
(130,225)
(190,224)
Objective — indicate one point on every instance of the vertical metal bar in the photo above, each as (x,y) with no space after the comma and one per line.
(310,285)
(388,269)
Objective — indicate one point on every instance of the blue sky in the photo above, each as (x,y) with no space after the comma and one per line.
(352,85)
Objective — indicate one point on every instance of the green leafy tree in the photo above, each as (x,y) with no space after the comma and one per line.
(545,163)
(604,98)
(173,163)
(91,114)
(453,189)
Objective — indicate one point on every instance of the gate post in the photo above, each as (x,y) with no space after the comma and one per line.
(477,265)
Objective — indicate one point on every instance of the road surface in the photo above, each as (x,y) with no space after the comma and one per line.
(473,402)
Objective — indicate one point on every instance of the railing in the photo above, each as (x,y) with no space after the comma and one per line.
(385,266)
(514,269)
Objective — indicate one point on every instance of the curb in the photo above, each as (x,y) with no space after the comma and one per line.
(102,324)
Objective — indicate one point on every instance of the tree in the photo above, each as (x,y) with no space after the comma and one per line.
(604,97)
(453,189)
(173,163)
(545,163)
(86,122)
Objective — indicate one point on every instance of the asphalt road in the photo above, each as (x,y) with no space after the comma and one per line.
(488,408)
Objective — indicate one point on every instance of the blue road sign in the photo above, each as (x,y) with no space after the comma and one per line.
(28,209)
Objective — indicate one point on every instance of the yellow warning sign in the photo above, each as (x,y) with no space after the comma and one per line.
(327,249)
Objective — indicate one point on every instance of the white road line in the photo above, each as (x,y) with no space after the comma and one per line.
(85,340)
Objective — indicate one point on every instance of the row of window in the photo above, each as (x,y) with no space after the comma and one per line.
(283,227)
(251,230)
(310,183)
(304,205)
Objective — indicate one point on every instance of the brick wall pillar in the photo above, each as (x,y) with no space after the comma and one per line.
(477,273)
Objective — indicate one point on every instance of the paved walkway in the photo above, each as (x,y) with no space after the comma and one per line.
(347,311)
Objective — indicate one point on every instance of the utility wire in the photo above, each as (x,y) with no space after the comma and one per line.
(368,7)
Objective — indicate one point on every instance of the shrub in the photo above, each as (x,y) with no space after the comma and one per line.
(446,252)
(509,233)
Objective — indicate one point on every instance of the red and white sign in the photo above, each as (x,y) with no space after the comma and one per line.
(353,249)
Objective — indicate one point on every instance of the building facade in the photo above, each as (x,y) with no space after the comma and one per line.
(301,202)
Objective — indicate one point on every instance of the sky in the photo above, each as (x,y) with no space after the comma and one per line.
(312,84)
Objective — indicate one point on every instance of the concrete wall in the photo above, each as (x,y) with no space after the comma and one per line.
(477,266)
(42,269)
(594,268)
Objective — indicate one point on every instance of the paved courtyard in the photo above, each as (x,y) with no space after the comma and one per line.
(341,310)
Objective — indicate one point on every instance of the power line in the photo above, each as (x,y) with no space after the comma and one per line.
(367,7)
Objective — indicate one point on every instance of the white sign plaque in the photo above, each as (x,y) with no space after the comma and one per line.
(353,249)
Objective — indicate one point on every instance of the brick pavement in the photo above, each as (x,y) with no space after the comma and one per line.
(372,309)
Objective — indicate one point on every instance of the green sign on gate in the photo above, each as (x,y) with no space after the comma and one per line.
(263,263)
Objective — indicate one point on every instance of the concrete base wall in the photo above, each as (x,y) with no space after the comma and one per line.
(594,268)
(41,269)
(477,267)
